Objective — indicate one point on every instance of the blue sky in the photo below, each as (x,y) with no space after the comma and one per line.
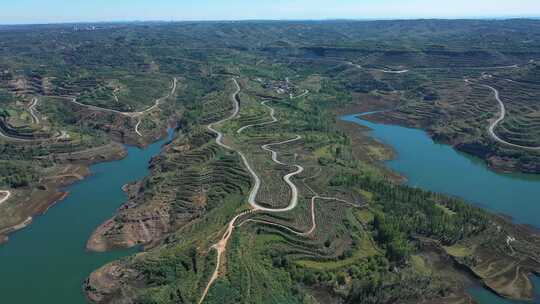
(44,11)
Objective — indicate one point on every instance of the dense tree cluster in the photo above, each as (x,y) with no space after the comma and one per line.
(405,212)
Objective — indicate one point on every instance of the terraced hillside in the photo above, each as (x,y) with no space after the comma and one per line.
(313,219)
(518,93)
(261,196)
(481,111)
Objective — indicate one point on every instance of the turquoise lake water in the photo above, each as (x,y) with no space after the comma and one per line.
(46,263)
(440,168)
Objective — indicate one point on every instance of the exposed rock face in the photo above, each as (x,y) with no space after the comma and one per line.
(104,285)
(128,229)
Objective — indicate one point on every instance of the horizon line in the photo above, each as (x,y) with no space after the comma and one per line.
(456,18)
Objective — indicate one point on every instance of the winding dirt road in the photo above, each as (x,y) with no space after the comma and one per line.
(221,246)
(35,119)
(160,100)
(502,116)
(432,68)
(313,219)
(73,100)
(272,115)
(379,70)
(287,178)
(7,195)
(299,96)
(236,109)
(157,102)
(32,110)
(392,71)
(257,181)
(137,127)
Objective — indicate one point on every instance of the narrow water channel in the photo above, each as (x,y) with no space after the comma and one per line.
(47,262)
(440,168)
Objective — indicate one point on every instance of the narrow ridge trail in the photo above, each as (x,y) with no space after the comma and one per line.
(221,246)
